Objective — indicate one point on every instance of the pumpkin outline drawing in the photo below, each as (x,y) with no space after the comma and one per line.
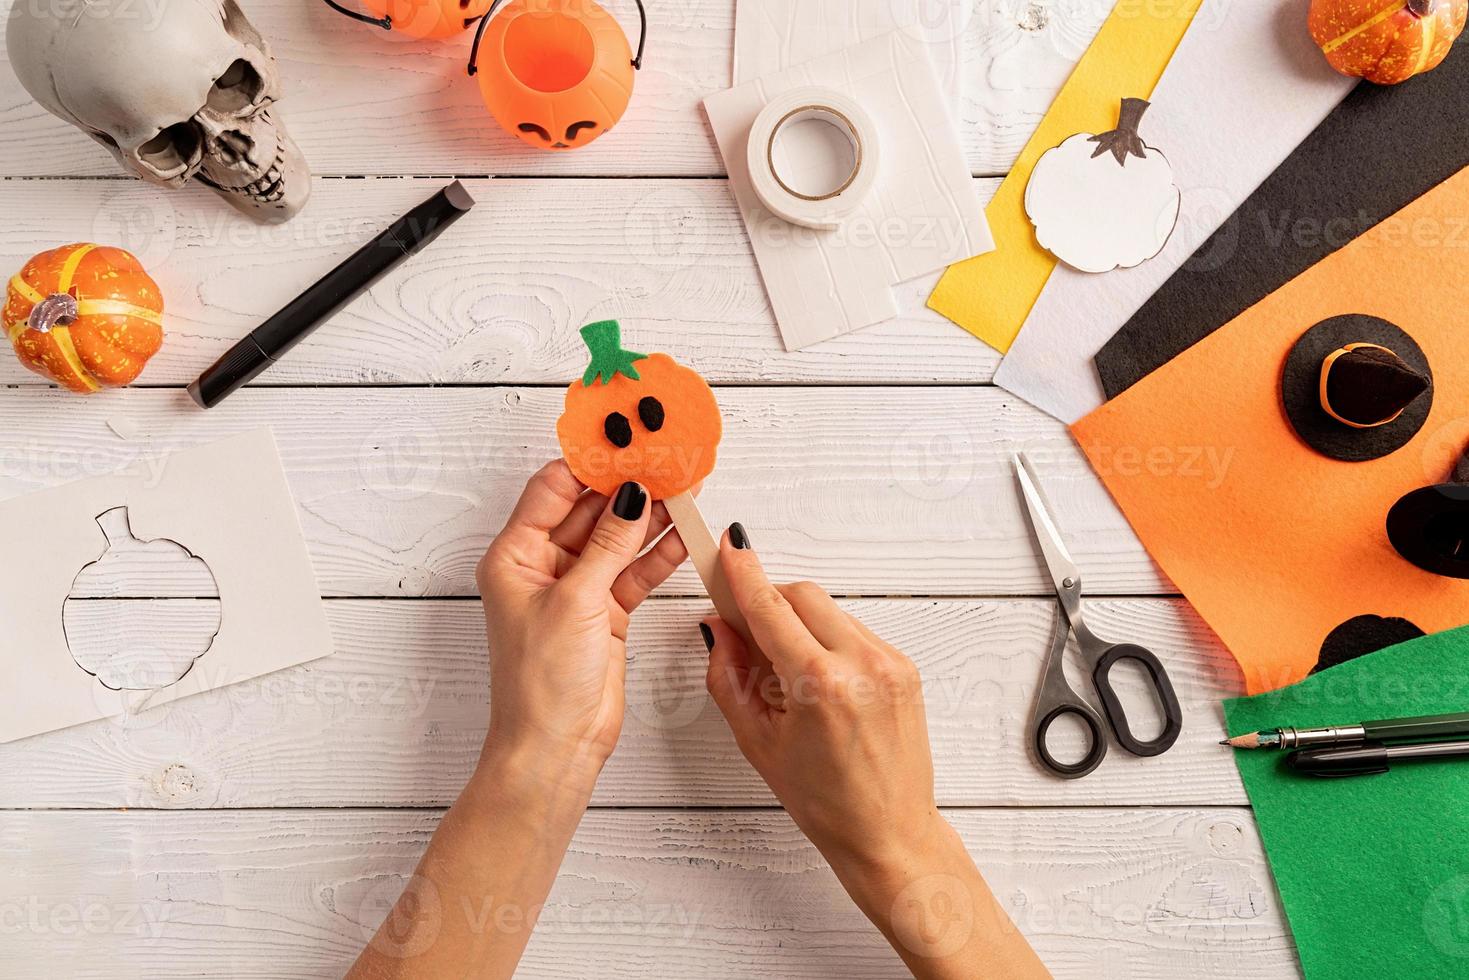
(1085,196)
(121,530)
(85,316)
(638,417)
(557,74)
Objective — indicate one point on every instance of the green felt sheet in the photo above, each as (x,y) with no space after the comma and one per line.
(1373,870)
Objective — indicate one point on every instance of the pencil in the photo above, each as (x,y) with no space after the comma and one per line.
(1392,730)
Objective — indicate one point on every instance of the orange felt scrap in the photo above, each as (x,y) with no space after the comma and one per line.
(638,417)
(1274,544)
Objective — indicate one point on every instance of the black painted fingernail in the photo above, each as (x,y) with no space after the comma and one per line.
(629,502)
(708,635)
(738,537)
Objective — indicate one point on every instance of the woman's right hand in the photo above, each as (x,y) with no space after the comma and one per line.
(842,741)
(845,748)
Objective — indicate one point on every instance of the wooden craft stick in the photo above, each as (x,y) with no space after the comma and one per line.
(704,552)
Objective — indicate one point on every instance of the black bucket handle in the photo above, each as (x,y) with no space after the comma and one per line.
(637,61)
(385,22)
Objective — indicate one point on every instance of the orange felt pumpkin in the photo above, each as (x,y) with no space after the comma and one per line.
(428,19)
(555,73)
(1386,41)
(638,417)
(86,316)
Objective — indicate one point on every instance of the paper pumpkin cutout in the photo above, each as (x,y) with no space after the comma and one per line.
(1314,368)
(1107,201)
(638,417)
(1386,42)
(1274,544)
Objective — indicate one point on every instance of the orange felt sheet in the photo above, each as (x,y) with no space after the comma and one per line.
(1274,544)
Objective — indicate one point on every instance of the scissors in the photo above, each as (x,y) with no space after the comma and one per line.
(1056,697)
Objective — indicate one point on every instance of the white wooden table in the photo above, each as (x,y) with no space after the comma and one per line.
(261,831)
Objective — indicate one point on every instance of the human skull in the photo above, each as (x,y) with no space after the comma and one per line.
(173,88)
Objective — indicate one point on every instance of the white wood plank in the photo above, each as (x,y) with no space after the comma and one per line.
(397,715)
(291,895)
(498,299)
(876,491)
(362,102)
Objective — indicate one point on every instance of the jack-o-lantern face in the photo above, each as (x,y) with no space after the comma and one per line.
(429,19)
(555,73)
(638,417)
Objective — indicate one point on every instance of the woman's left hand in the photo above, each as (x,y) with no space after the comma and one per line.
(559,584)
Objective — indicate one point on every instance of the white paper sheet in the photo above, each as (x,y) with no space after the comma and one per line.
(775,34)
(924,213)
(229,505)
(1246,86)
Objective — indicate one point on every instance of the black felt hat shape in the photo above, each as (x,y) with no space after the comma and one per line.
(1430,527)
(1357,388)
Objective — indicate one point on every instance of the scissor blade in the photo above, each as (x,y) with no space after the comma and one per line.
(1053,547)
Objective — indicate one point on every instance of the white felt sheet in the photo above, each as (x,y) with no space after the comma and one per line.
(227,504)
(924,213)
(775,34)
(1246,86)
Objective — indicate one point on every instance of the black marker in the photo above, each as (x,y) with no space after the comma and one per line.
(268,342)
(1371,758)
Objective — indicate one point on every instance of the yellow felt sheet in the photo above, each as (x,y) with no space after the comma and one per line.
(992,294)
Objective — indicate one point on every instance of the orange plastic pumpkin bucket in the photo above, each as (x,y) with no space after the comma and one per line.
(429,19)
(555,73)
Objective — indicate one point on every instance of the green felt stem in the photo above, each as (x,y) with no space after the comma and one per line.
(609,358)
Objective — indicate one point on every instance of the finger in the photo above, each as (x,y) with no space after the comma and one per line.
(571,536)
(733,685)
(832,628)
(774,625)
(549,497)
(614,542)
(649,571)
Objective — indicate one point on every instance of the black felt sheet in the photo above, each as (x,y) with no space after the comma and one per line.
(1379,150)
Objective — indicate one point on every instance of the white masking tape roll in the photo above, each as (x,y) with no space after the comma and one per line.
(825,209)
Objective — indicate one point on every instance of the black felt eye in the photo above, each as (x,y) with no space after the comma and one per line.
(650,411)
(577,127)
(618,429)
(538,130)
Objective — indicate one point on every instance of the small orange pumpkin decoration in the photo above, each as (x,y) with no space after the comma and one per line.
(428,19)
(556,73)
(1386,41)
(86,316)
(638,417)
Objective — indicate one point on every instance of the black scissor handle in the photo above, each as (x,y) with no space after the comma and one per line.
(1117,715)
(1095,754)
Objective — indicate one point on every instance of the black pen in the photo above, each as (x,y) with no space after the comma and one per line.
(1371,758)
(268,342)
